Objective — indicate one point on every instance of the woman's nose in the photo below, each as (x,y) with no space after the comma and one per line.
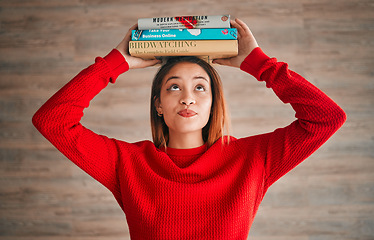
(187,100)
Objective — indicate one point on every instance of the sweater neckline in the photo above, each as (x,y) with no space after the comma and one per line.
(185,152)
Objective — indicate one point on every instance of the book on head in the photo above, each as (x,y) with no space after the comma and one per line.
(189,22)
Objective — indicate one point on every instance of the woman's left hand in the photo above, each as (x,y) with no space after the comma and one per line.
(134,62)
(246,43)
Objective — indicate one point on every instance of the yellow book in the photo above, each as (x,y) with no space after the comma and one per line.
(210,48)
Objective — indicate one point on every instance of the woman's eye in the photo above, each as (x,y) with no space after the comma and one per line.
(174,88)
(200,88)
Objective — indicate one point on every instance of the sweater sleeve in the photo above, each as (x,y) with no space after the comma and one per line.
(317,116)
(58,120)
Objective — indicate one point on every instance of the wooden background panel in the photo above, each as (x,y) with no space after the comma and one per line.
(43,44)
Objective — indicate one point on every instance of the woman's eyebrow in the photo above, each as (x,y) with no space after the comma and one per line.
(176,77)
(170,78)
(201,77)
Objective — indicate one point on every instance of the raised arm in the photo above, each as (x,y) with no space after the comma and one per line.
(318,117)
(59,118)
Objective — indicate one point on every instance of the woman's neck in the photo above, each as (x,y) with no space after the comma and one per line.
(185,140)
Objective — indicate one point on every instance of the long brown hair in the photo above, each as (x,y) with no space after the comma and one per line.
(219,119)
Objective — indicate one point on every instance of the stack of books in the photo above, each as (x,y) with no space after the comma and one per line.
(204,36)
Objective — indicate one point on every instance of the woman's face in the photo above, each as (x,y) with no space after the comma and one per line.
(185,98)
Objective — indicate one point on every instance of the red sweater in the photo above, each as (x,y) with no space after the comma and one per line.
(192,193)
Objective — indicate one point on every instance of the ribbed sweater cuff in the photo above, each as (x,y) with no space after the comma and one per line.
(253,63)
(117,64)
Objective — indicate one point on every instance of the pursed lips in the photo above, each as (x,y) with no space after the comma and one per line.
(187,113)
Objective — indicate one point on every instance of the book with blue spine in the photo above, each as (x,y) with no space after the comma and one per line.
(184,34)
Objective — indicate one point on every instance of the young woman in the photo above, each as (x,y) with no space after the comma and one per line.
(190,182)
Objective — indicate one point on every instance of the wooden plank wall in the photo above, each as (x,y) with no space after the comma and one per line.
(44,43)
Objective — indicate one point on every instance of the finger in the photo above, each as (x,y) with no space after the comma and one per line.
(148,63)
(128,34)
(239,28)
(153,62)
(127,37)
(234,24)
(243,25)
(221,61)
(243,29)
(133,27)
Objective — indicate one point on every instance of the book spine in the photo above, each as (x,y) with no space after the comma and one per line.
(212,48)
(216,21)
(184,34)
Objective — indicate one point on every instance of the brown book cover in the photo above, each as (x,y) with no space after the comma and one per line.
(211,48)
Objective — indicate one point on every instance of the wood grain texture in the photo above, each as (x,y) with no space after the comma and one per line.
(43,44)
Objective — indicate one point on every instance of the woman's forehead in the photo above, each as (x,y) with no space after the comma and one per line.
(186,70)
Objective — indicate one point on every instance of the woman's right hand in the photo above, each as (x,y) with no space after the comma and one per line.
(134,62)
(246,43)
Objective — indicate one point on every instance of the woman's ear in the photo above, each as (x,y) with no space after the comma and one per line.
(158,106)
